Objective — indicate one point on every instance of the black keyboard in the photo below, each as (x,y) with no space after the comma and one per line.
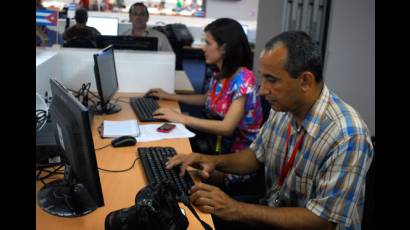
(144,107)
(153,160)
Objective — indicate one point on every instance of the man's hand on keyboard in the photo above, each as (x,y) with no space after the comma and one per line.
(206,164)
(169,115)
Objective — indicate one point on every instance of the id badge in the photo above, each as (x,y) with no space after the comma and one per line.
(276,199)
(273,198)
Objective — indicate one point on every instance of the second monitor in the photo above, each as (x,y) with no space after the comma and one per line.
(128,42)
(106,80)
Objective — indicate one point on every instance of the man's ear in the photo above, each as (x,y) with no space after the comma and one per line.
(307,79)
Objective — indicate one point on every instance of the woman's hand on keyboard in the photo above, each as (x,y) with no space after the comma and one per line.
(158,93)
(169,115)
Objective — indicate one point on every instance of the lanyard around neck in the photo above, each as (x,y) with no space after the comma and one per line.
(286,166)
(224,86)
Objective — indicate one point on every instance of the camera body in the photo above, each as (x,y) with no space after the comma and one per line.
(155,208)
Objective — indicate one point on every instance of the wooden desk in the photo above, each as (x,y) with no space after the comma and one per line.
(119,189)
(182,83)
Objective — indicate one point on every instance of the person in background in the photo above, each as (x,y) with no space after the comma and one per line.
(233,113)
(80,29)
(84,3)
(139,17)
(315,150)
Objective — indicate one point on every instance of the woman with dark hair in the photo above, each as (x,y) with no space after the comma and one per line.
(233,114)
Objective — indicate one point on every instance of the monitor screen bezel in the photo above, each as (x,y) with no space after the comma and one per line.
(105,97)
(81,183)
(118,42)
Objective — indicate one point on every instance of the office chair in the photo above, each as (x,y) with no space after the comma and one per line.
(369,201)
(175,44)
(80,42)
(207,77)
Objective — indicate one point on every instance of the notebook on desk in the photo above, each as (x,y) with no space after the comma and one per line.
(111,129)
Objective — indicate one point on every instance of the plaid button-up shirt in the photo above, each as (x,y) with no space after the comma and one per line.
(329,171)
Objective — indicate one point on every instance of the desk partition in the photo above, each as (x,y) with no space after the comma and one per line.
(47,66)
(137,71)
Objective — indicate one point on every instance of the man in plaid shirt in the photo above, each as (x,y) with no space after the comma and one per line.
(315,150)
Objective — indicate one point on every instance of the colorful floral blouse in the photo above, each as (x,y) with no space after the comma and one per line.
(242,83)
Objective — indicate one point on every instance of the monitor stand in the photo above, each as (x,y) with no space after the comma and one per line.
(60,199)
(108,108)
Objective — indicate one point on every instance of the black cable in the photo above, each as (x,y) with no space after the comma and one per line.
(96,96)
(105,146)
(108,170)
(118,99)
(82,93)
(50,173)
(41,119)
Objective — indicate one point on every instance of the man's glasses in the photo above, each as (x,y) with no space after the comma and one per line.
(143,14)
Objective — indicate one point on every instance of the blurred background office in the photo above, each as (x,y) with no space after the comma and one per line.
(344,29)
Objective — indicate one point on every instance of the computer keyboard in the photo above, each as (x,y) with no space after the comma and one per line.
(144,107)
(153,160)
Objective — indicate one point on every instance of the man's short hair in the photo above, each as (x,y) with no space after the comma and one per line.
(304,53)
(139,4)
(81,15)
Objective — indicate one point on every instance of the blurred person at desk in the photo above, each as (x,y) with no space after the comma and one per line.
(315,150)
(139,16)
(80,29)
(233,113)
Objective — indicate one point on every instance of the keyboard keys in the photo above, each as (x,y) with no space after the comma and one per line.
(153,160)
(144,107)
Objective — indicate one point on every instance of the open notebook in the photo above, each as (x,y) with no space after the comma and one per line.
(120,128)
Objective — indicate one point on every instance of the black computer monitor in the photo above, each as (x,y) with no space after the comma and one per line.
(79,192)
(106,80)
(128,42)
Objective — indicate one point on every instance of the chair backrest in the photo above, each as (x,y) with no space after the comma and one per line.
(175,44)
(80,42)
(368,219)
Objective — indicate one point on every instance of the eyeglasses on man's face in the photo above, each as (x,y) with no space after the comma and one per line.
(140,14)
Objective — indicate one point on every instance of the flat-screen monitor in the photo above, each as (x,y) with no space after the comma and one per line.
(79,192)
(106,80)
(105,25)
(128,42)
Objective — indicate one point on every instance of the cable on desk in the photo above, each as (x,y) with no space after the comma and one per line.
(124,170)
(83,94)
(118,99)
(50,173)
(105,146)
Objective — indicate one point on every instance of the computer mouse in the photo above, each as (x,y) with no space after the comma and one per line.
(123,141)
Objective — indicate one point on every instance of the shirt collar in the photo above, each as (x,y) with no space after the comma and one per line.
(311,123)
(317,113)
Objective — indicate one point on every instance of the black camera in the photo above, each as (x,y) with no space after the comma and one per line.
(155,208)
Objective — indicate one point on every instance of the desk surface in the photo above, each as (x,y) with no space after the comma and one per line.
(119,189)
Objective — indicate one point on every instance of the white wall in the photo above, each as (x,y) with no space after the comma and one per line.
(269,23)
(349,67)
(350,56)
(239,10)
